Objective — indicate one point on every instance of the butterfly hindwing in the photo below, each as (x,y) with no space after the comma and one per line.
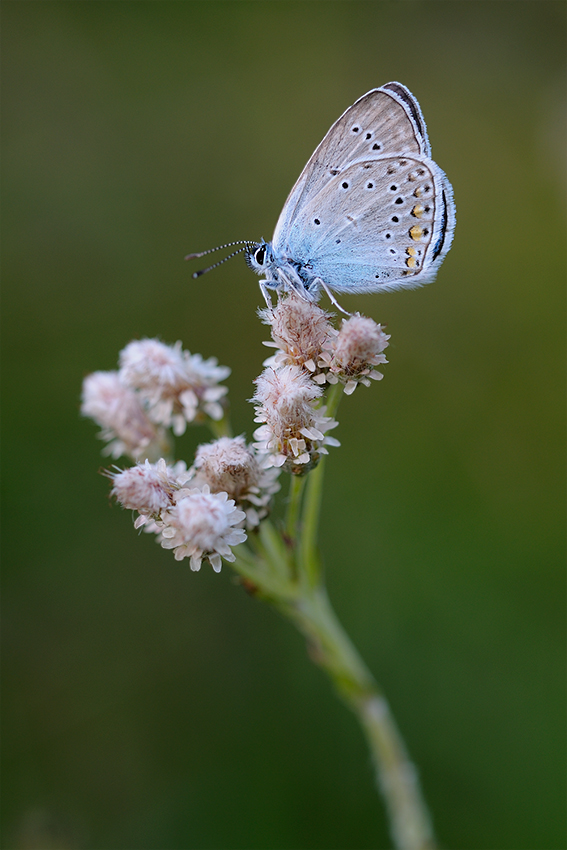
(379,224)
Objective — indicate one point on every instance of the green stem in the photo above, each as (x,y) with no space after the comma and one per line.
(396,776)
(308,557)
(309,565)
(333,398)
(289,578)
(296,486)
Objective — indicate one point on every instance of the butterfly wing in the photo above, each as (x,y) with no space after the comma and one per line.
(382,122)
(379,224)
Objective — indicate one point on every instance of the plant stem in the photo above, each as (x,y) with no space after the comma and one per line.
(296,486)
(396,776)
(286,572)
(309,565)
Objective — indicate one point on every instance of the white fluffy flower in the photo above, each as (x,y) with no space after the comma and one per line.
(177,387)
(304,336)
(293,433)
(229,465)
(118,410)
(201,526)
(353,354)
(300,330)
(194,522)
(148,488)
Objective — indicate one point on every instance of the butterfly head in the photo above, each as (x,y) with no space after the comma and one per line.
(259,256)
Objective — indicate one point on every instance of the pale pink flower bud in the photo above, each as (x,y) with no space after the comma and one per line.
(118,410)
(286,395)
(228,464)
(149,364)
(360,341)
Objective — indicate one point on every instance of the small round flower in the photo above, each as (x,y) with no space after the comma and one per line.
(286,393)
(148,488)
(178,387)
(118,410)
(293,433)
(354,353)
(201,526)
(148,364)
(229,465)
(300,329)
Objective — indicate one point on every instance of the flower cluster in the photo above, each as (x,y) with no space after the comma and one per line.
(304,336)
(157,386)
(300,331)
(194,522)
(356,349)
(202,512)
(126,426)
(310,353)
(176,386)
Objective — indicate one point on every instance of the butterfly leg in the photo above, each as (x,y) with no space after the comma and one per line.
(293,283)
(319,282)
(264,290)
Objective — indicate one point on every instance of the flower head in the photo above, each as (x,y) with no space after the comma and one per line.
(194,522)
(119,411)
(300,330)
(148,488)
(229,465)
(293,433)
(304,336)
(201,526)
(354,352)
(176,386)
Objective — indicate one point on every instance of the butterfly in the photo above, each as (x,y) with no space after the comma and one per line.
(370,212)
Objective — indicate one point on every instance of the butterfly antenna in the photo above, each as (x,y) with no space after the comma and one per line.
(195,256)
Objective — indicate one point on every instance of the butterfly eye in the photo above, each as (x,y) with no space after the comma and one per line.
(260,256)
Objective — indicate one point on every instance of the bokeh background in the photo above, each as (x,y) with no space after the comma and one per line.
(149,707)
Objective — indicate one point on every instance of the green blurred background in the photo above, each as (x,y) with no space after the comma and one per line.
(149,707)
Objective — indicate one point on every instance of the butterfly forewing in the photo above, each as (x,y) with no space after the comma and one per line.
(373,226)
(380,123)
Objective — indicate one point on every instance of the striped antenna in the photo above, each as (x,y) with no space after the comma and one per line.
(195,256)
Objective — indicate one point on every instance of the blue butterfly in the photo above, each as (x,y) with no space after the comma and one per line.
(370,212)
